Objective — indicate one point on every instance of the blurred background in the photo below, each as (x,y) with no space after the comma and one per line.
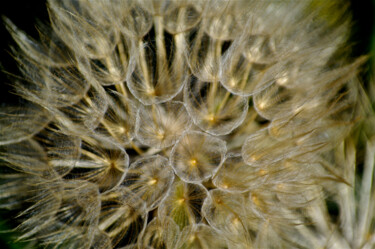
(25,13)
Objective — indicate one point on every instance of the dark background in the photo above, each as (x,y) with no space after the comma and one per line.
(25,13)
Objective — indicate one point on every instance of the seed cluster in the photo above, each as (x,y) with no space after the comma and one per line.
(178,124)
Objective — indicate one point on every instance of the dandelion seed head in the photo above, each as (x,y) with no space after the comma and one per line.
(184,124)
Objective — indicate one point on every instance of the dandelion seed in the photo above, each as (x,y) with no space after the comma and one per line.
(197,156)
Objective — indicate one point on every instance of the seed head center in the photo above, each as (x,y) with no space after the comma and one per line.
(193,162)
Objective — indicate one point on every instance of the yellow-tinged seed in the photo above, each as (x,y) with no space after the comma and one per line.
(152,181)
(150,92)
(192,238)
(122,130)
(211,118)
(236,222)
(282,80)
(181,201)
(262,105)
(255,199)
(193,162)
(274,131)
(262,172)
(253,158)
(280,186)
(232,82)
(160,135)
(225,186)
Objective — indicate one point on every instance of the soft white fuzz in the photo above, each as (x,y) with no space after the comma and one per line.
(188,124)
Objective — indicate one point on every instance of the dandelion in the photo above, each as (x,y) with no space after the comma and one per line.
(188,124)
